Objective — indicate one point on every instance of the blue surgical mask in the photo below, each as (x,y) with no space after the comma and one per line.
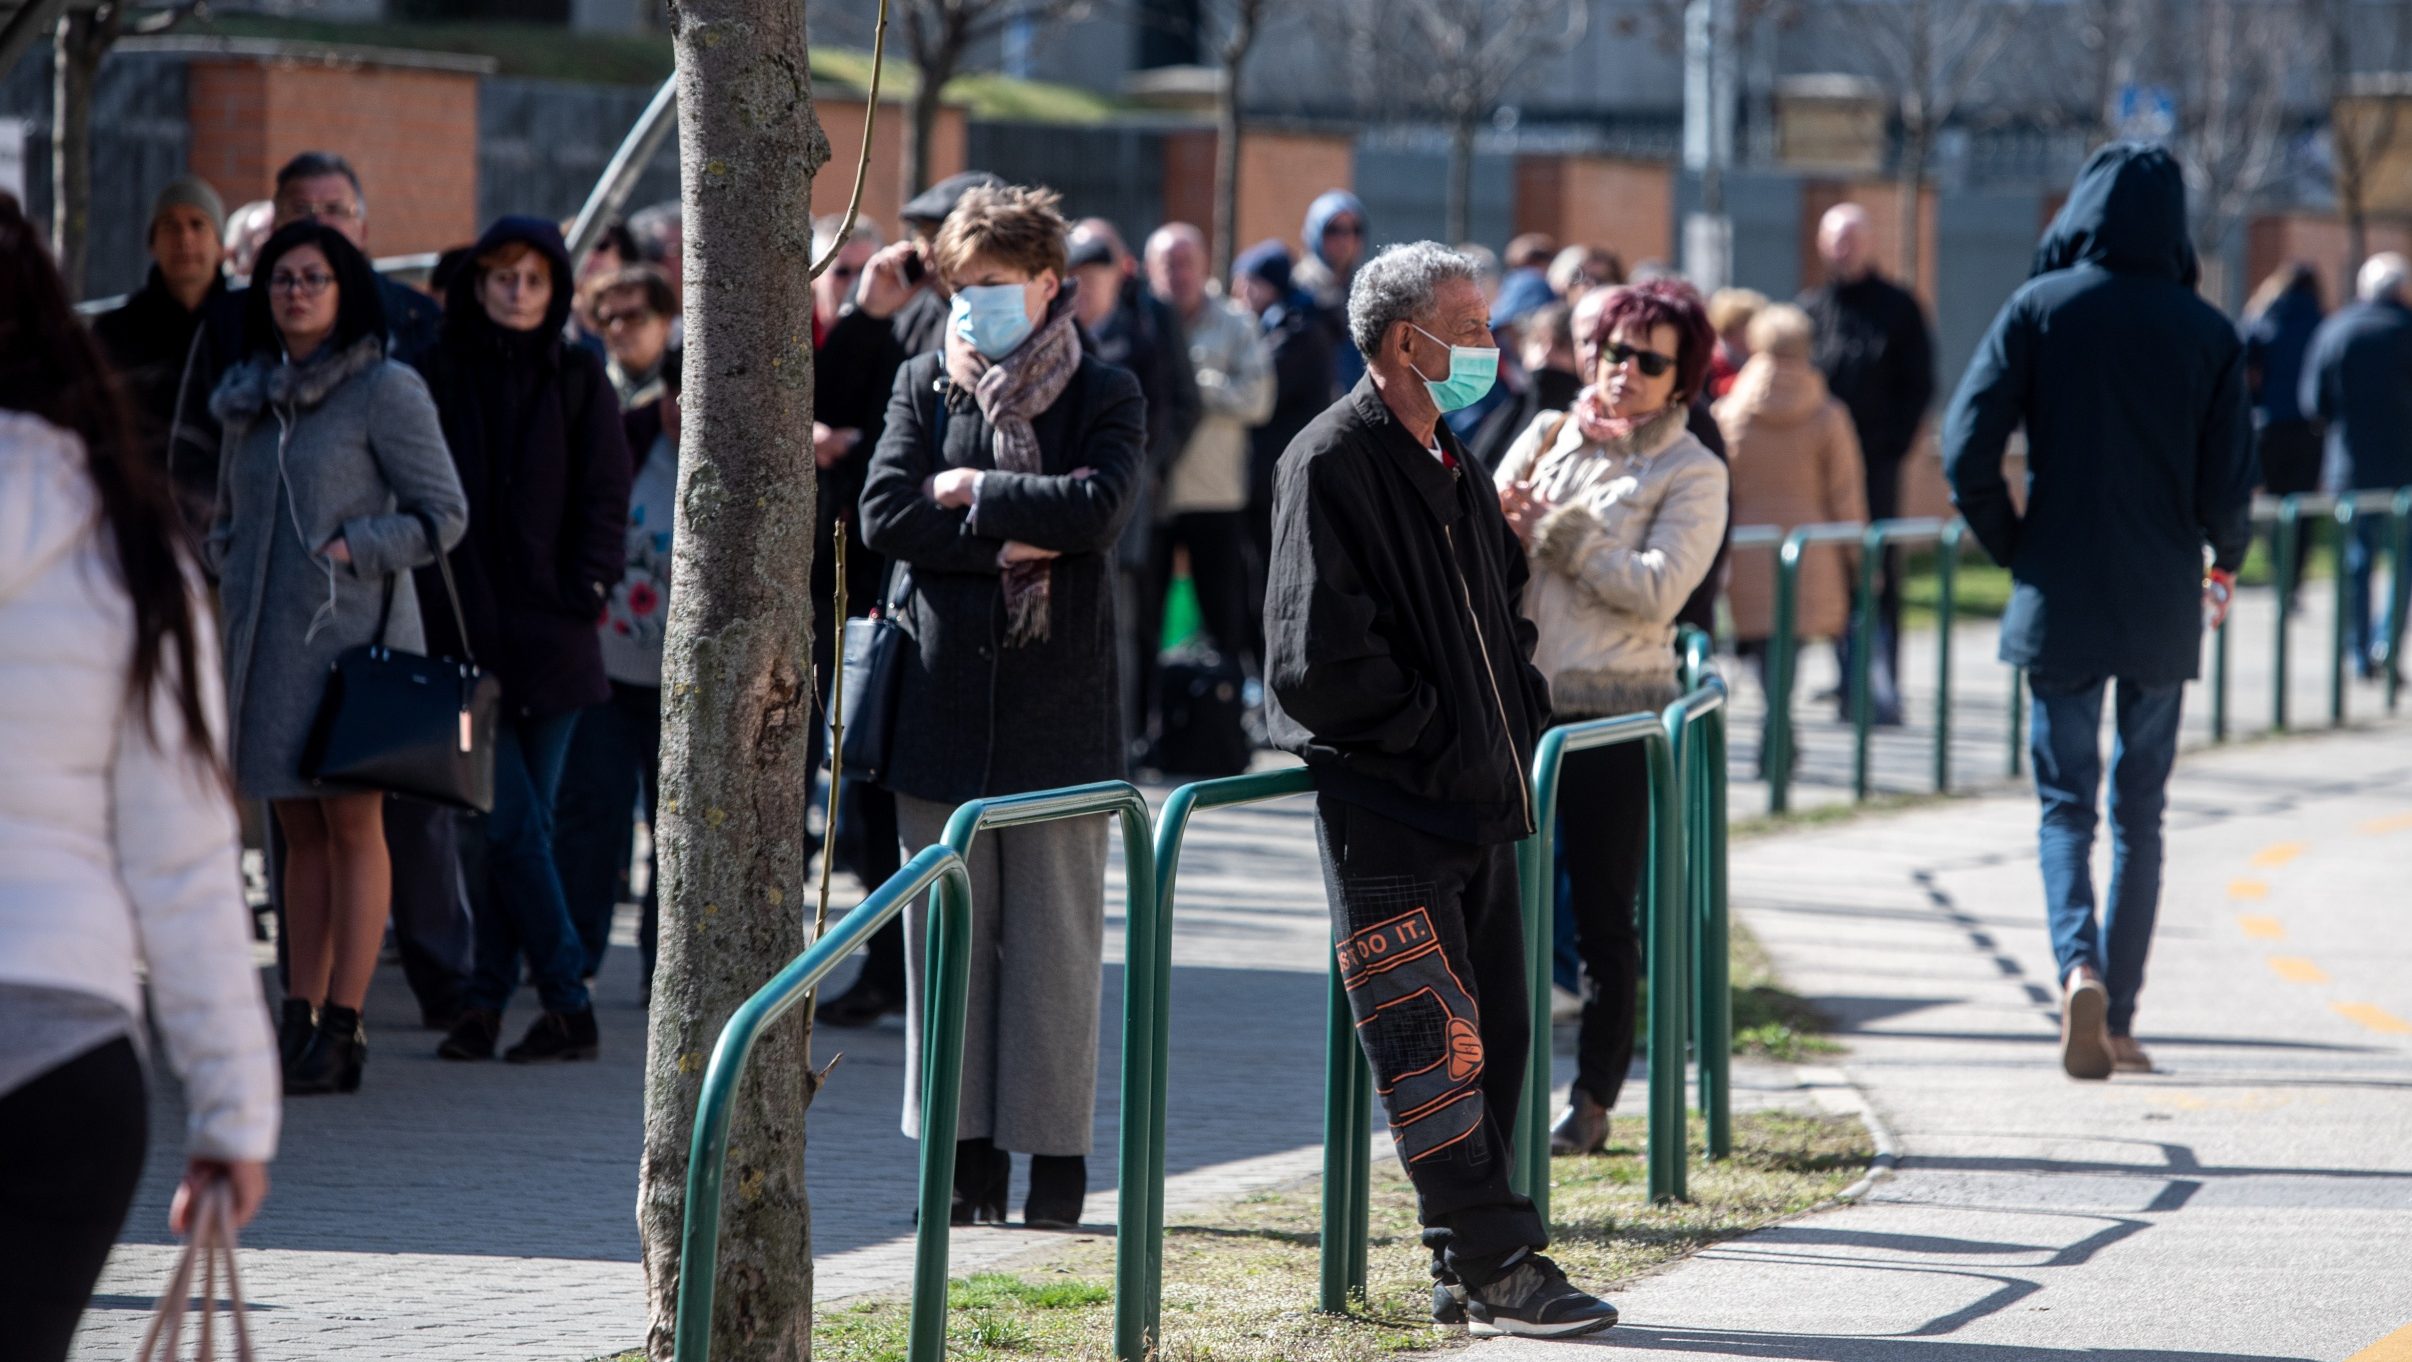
(991,317)
(1472,371)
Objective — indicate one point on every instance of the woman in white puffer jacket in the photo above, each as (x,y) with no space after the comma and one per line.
(118,844)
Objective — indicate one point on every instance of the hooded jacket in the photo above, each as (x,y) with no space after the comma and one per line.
(2131,388)
(1327,286)
(1795,461)
(534,426)
(2358,379)
(1397,661)
(2276,344)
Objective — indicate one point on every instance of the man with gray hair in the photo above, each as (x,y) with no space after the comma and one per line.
(2358,379)
(1397,665)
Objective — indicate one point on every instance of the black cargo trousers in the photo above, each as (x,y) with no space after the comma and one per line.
(1430,938)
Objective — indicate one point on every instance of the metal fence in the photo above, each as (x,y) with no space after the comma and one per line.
(1690,1005)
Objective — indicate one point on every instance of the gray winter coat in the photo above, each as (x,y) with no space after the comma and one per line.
(345,445)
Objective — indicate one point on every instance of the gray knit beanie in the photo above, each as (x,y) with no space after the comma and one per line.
(189,191)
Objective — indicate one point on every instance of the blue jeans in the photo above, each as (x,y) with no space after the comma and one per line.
(2369,628)
(2066,741)
(514,886)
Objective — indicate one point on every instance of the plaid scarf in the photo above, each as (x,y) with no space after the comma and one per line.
(1010,392)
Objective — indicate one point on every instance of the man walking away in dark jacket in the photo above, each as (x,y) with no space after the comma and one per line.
(1878,357)
(1399,668)
(2131,388)
(174,337)
(2358,378)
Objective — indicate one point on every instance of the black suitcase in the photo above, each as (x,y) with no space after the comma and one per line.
(1200,701)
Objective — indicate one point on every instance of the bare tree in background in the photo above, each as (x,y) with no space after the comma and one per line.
(1455,60)
(938,35)
(737,696)
(1243,24)
(1930,55)
(2229,75)
(82,41)
(2343,50)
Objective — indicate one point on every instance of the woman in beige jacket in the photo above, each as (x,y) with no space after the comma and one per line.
(1621,511)
(1795,461)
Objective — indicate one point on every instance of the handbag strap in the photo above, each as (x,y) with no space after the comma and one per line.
(452,593)
(209,1246)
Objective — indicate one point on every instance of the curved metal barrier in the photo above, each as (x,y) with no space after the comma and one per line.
(1140,1176)
(950,963)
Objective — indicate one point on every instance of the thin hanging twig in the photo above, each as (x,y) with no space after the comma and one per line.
(854,202)
(837,754)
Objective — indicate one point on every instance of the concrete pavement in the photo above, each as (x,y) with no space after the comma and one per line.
(2253,1200)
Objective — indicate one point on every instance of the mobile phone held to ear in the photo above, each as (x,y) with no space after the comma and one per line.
(916,268)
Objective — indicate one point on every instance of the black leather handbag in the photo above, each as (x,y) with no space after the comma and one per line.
(409,725)
(874,662)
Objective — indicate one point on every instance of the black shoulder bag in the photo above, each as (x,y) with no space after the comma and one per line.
(873,659)
(409,725)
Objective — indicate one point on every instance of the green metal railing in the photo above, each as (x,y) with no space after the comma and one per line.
(1662,898)
(1140,1166)
(1347,1143)
(1783,650)
(942,1066)
(2285,517)
(1700,764)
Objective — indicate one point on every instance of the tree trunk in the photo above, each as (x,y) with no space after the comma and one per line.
(925,132)
(1227,162)
(77,50)
(1461,179)
(737,700)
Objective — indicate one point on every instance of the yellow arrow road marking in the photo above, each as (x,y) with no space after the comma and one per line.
(2395,1347)
(2272,857)
(2248,889)
(2297,970)
(2399,822)
(2377,1019)
(2262,928)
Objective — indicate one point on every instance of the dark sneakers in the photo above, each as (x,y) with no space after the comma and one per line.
(1534,1299)
(1448,1301)
(473,1035)
(557,1037)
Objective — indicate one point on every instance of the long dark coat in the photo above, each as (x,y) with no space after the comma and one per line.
(548,504)
(2131,388)
(976,716)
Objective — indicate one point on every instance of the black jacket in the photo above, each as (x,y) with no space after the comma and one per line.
(2131,388)
(534,426)
(2358,379)
(854,373)
(413,323)
(164,352)
(974,715)
(1398,664)
(1301,347)
(1876,354)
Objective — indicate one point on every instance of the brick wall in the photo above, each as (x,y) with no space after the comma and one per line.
(1882,199)
(2318,239)
(411,133)
(883,180)
(1627,206)
(1280,173)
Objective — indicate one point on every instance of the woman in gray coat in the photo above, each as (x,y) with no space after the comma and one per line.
(334,483)
(1002,482)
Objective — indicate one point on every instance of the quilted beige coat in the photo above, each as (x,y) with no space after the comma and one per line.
(1795,461)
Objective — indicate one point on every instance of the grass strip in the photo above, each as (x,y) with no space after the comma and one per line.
(1240,1280)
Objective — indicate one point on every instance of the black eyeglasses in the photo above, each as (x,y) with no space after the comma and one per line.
(305,284)
(1652,363)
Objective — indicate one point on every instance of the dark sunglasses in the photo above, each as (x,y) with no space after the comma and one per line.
(1653,364)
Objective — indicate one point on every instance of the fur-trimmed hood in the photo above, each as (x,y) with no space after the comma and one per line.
(261,382)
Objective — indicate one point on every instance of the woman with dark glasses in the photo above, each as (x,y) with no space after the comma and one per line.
(1621,510)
